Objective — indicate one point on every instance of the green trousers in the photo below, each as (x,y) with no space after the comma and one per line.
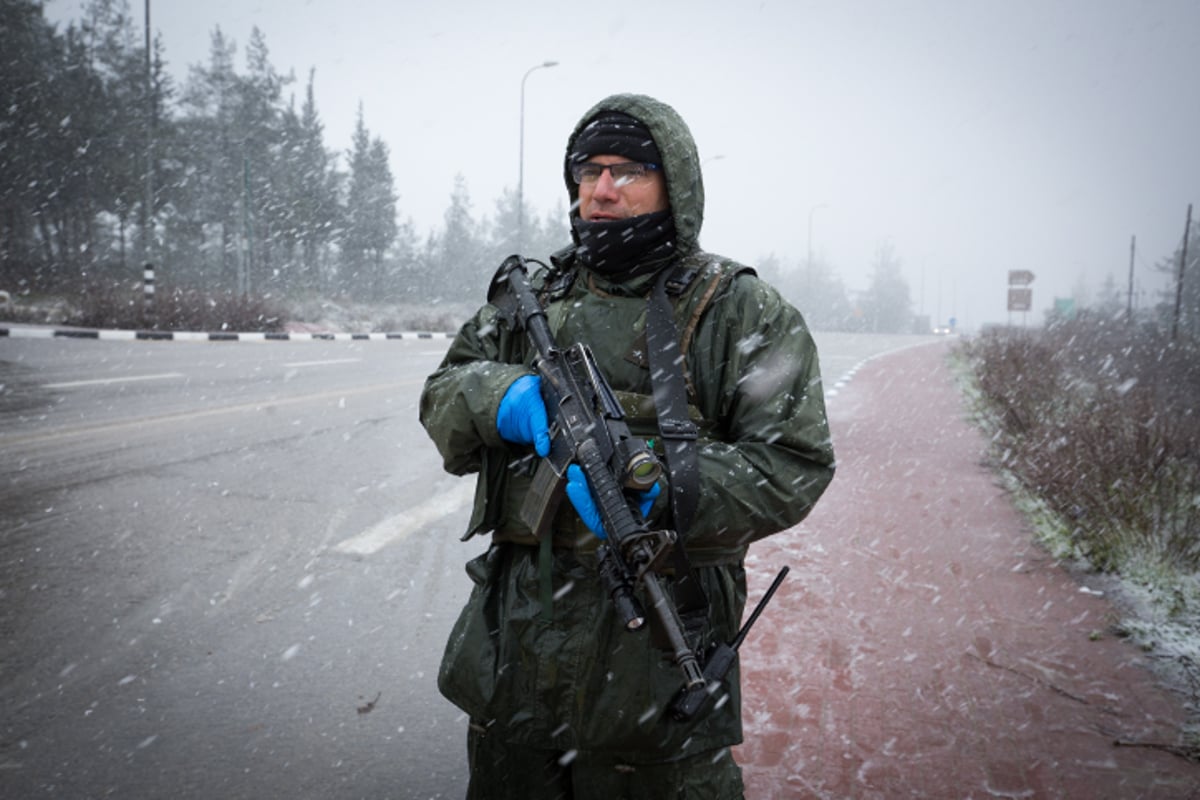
(502,771)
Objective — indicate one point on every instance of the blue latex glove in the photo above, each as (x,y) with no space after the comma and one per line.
(522,415)
(585,505)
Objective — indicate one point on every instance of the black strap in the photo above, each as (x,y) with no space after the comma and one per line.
(675,425)
(677,431)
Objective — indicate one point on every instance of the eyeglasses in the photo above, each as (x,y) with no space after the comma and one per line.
(624,172)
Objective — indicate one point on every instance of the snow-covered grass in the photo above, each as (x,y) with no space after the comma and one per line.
(348,316)
(195,312)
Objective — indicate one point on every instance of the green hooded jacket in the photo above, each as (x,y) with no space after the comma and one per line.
(570,677)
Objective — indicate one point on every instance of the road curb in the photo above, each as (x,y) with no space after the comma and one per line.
(214,336)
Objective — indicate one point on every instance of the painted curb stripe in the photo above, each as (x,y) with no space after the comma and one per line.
(216,336)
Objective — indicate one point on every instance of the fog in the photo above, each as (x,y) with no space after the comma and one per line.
(971,137)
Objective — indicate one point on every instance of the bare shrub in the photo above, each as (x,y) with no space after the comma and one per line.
(121,305)
(222,311)
(1100,421)
(344,314)
(1019,394)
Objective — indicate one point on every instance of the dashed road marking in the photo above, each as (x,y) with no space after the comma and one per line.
(398,527)
(142,423)
(106,381)
(326,362)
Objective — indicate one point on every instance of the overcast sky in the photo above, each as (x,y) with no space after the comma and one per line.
(973,137)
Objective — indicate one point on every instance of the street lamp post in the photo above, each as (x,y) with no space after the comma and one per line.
(521,159)
(811,211)
(147,217)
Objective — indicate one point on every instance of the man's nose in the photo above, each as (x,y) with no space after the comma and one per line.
(606,186)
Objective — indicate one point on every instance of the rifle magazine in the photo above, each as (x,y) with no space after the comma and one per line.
(542,501)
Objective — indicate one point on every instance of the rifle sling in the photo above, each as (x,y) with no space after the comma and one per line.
(677,431)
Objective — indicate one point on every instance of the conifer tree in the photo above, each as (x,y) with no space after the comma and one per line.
(370,216)
(887,306)
(307,183)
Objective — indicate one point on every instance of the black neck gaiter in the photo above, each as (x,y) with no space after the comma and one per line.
(626,247)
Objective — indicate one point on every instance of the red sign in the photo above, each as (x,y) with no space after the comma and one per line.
(1020,299)
(1019,277)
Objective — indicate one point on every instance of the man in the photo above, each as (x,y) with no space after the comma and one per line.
(564,702)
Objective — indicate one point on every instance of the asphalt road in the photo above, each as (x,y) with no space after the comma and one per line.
(228,569)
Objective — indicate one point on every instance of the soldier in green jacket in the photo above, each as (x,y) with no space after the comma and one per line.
(563,701)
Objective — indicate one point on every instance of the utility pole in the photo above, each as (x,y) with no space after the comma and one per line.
(1129,304)
(246,250)
(148,307)
(1179,284)
(148,167)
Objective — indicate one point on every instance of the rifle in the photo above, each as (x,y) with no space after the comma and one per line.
(587,427)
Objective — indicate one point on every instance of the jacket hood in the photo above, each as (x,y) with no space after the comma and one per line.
(681,162)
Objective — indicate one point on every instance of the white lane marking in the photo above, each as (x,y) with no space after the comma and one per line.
(190,416)
(106,381)
(323,363)
(396,528)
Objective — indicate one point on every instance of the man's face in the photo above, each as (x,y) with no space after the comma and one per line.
(607,199)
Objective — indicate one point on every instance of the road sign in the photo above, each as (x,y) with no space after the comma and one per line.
(1020,299)
(1019,277)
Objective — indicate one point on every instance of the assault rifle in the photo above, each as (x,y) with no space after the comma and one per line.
(587,427)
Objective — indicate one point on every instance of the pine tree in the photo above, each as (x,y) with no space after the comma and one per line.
(116,115)
(461,258)
(31,70)
(541,236)
(370,215)
(552,233)
(209,141)
(307,183)
(260,129)
(502,239)
(887,305)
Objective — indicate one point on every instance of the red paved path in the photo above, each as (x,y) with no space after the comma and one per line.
(923,646)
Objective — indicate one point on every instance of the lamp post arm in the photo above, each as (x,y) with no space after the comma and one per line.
(521,158)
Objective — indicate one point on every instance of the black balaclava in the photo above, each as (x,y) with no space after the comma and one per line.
(623,247)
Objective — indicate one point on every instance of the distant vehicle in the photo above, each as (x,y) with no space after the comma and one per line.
(943,330)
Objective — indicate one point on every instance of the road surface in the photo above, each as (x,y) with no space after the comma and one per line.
(227,569)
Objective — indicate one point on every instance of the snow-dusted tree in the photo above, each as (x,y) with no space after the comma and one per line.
(370,215)
(550,234)
(503,236)
(307,184)
(813,288)
(30,72)
(886,305)
(75,120)
(1180,307)
(210,141)
(1110,303)
(259,123)
(541,236)
(461,259)
(118,119)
